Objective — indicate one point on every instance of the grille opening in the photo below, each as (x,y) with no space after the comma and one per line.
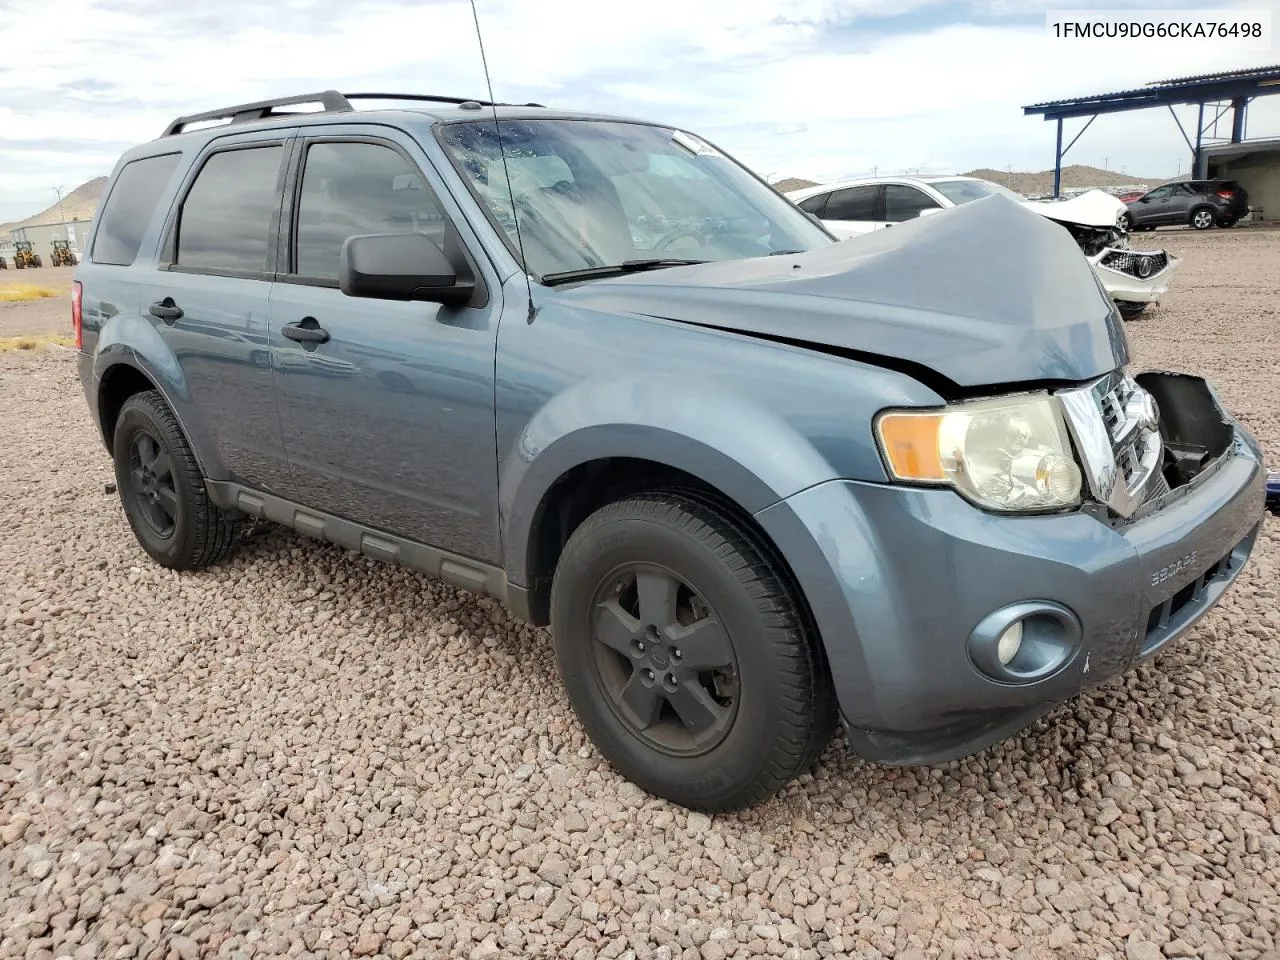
(1132,263)
(1168,617)
(1193,428)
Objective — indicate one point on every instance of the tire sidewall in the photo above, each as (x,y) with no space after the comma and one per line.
(1195,214)
(736,760)
(134,419)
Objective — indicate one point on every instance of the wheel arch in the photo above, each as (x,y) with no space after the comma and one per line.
(121,373)
(538,529)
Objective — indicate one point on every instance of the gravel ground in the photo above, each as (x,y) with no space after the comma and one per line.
(36,317)
(303,753)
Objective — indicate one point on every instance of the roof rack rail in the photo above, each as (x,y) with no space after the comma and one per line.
(331,100)
(432,98)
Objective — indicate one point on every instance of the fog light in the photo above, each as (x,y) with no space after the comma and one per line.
(1009,644)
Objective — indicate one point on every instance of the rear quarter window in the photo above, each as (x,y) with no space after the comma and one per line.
(131,202)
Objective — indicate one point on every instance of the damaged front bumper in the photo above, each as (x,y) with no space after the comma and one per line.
(1134,276)
(909,633)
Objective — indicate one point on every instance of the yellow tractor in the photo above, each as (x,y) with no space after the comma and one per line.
(62,255)
(26,257)
(3,265)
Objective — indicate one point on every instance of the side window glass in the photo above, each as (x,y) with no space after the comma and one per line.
(354,188)
(904,203)
(225,223)
(1159,193)
(815,205)
(129,207)
(853,203)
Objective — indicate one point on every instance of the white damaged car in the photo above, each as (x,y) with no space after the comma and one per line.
(1133,278)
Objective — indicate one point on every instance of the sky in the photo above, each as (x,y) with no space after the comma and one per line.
(820,89)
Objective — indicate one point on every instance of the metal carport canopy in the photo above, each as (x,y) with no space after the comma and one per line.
(1237,86)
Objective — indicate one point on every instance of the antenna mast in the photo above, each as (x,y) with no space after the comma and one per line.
(506,172)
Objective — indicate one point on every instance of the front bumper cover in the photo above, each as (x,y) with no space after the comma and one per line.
(1120,270)
(898,578)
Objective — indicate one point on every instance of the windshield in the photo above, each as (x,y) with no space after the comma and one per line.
(592,193)
(962,191)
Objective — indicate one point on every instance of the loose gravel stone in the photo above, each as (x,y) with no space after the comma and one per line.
(304,753)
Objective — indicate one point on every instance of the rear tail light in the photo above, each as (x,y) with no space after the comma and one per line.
(77,313)
(1226,194)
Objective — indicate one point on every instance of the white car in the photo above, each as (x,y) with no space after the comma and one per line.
(1133,278)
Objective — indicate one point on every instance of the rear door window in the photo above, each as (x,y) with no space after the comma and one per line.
(902,202)
(227,218)
(853,203)
(129,207)
(815,205)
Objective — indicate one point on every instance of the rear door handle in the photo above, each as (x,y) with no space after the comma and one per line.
(166,310)
(306,330)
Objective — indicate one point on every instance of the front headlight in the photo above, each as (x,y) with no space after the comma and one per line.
(1008,454)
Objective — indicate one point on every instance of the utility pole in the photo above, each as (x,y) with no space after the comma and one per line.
(61,216)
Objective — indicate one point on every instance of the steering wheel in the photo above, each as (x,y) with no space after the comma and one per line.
(675,235)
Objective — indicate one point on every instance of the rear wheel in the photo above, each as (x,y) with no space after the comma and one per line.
(686,653)
(1202,218)
(1130,310)
(162,488)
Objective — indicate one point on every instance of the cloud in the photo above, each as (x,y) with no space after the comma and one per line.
(818,88)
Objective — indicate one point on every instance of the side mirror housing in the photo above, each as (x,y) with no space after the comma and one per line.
(400,266)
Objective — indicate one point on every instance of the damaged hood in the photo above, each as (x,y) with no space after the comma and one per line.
(1092,209)
(981,294)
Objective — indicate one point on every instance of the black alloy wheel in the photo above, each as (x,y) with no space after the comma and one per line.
(664,660)
(162,488)
(154,494)
(688,652)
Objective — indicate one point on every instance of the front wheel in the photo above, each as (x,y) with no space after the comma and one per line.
(1124,222)
(687,654)
(1130,310)
(1202,218)
(162,488)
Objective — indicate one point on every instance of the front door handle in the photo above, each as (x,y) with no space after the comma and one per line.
(306,330)
(166,310)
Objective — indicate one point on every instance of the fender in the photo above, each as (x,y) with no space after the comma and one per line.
(128,339)
(748,453)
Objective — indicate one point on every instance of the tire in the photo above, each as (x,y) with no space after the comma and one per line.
(1125,222)
(170,487)
(759,688)
(1225,224)
(1201,218)
(1130,310)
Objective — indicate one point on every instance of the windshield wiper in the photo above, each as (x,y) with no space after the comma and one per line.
(784,253)
(616,269)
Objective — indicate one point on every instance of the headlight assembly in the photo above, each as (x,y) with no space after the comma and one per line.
(1009,454)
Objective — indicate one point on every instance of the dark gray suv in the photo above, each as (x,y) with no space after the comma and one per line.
(755,480)
(1197,203)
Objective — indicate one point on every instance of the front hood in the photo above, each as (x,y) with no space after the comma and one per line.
(981,294)
(1092,209)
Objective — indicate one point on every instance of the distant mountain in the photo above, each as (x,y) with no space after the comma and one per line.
(1075,177)
(79,204)
(792,183)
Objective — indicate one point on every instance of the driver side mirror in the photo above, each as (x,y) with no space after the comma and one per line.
(400,266)
(1144,198)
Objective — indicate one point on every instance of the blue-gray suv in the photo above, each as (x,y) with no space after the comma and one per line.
(757,481)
